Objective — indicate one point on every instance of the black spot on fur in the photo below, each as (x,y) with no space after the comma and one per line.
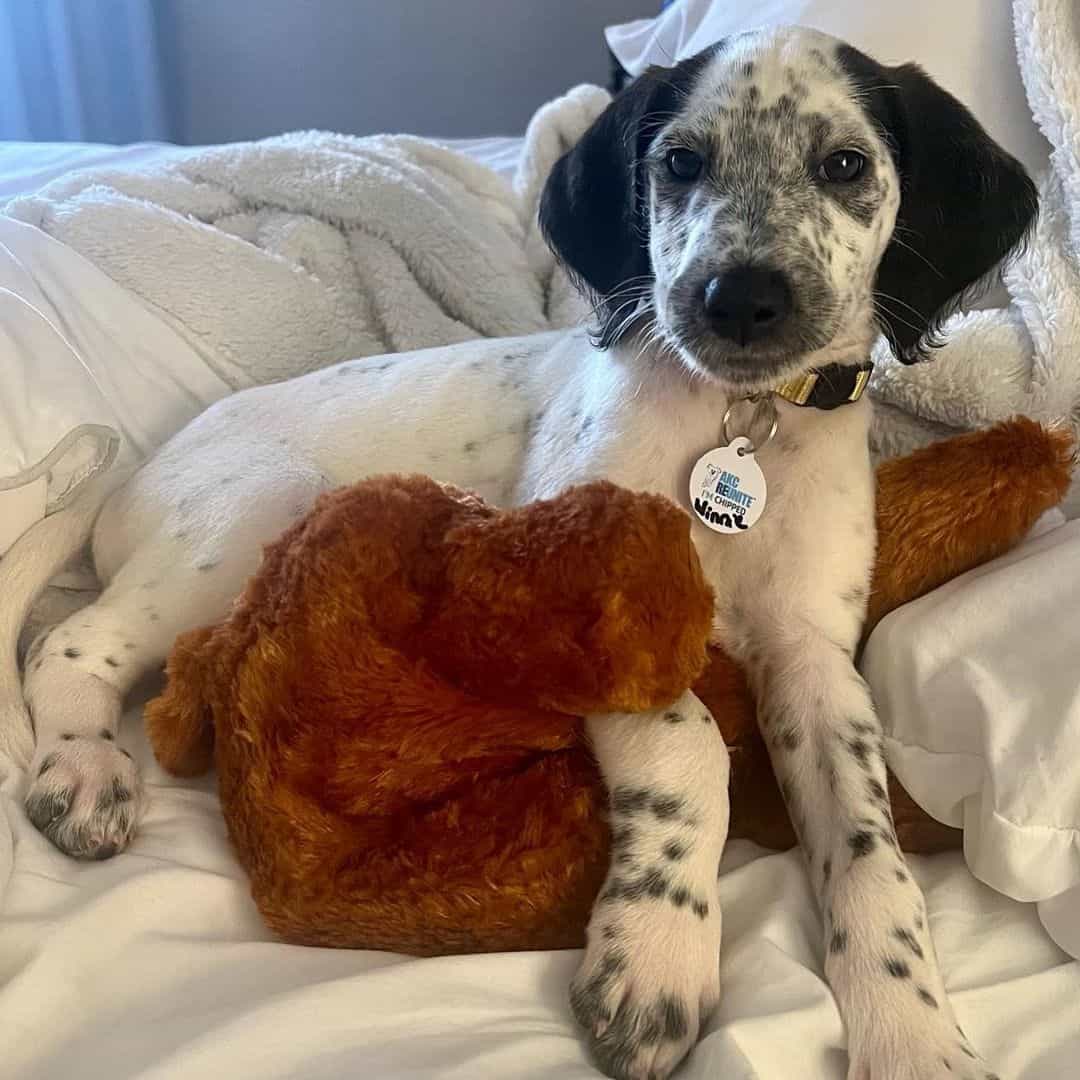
(680,896)
(470,446)
(205,567)
(67,736)
(675,851)
(860,751)
(626,800)
(908,938)
(861,843)
(674,717)
(45,808)
(47,762)
(112,796)
(970,1053)
(106,734)
(790,737)
(125,753)
(112,661)
(700,908)
(655,883)
(826,870)
(667,807)
(877,790)
(839,942)
(72,654)
(675,1021)
(898,969)
(926,997)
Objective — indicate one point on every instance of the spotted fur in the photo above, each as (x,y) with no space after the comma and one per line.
(637,404)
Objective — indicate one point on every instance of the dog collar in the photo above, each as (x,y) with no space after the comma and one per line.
(827,387)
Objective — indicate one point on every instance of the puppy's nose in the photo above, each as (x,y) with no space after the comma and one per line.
(747,303)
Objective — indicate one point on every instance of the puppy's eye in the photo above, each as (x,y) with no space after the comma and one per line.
(842,166)
(683,164)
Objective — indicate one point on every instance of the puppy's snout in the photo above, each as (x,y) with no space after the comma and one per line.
(747,303)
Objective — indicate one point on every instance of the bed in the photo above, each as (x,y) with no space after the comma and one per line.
(156,965)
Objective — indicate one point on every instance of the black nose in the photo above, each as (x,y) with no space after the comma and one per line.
(747,303)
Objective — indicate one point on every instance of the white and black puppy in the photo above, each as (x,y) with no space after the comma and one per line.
(747,218)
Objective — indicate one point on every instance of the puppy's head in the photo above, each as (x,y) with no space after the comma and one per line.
(765,206)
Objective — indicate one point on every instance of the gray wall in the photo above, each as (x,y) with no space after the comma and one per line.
(240,69)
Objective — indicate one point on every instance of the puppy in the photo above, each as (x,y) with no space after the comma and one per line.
(746,222)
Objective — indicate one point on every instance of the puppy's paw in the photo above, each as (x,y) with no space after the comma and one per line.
(909,1047)
(650,977)
(85,795)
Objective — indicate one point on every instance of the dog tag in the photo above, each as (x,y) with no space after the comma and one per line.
(727,487)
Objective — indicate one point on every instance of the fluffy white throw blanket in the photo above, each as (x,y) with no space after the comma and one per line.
(275,257)
(1023,358)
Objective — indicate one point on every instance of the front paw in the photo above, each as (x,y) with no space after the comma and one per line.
(913,1047)
(650,977)
(85,795)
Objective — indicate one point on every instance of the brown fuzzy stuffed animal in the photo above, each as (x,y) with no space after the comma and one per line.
(393,703)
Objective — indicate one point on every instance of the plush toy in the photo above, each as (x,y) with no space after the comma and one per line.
(393,704)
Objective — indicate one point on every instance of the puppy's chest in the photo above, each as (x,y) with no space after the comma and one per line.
(813,542)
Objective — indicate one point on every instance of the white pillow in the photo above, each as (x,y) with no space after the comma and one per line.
(968,46)
(978,687)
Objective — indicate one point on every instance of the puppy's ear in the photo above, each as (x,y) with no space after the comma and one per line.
(594,209)
(965,204)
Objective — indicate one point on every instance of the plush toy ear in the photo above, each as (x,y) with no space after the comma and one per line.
(965,203)
(594,209)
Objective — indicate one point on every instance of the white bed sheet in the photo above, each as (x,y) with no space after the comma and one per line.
(156,964)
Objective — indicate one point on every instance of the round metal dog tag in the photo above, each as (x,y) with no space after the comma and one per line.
(727,487)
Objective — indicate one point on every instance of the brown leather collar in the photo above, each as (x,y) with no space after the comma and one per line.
(827,387)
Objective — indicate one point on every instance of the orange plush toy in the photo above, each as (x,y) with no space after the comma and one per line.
(393,704)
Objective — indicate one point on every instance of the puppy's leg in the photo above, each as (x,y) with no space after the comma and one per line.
(650,975)
(85,794)
(826,745)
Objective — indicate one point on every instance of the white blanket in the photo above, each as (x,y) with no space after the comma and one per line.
(1024,358)
(277,257)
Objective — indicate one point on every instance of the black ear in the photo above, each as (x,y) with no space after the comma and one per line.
(593,211)
(965,204)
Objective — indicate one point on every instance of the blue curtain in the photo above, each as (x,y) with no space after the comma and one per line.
(80,70)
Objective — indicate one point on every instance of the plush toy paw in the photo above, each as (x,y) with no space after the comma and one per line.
(649,979)
(85,794)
